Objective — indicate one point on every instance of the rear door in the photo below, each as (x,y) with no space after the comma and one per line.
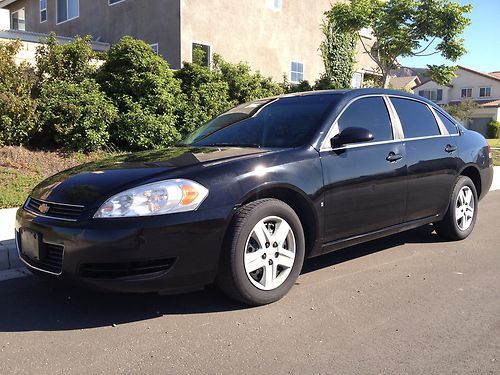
(365,183)
(431,158)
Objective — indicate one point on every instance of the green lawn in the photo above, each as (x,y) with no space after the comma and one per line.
(494,142)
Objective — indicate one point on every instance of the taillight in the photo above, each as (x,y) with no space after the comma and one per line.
(489,152)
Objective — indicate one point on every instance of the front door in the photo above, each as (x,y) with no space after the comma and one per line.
(365,184)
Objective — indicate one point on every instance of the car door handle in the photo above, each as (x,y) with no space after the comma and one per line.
(449,149)
(393,157)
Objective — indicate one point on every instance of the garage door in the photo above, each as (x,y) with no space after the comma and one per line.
(480,125)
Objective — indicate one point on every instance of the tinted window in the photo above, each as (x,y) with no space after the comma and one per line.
(369,113)
(416,118)
(286,122)
(450,126)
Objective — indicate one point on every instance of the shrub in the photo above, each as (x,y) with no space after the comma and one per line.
(18,114)
(74,116)
(73,61)
(140,82)
(494,130)
(206,95)
(138,129)
(245,86)
(338,51)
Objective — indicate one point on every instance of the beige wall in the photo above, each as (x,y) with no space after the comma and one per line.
(154,21)
(250,31)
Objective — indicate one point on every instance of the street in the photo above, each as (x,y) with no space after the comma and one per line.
(407,304)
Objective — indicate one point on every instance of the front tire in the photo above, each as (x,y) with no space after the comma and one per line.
(459,220)
(264,253)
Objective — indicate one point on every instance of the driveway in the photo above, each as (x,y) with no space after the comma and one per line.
(409,303)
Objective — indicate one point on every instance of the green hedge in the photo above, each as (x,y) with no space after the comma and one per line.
(494,130)
(130,101)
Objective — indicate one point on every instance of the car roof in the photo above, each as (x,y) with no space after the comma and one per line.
(353,93)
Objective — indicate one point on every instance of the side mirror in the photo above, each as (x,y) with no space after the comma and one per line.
(351,135)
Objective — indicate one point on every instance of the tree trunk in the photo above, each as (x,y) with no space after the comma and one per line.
(385,79)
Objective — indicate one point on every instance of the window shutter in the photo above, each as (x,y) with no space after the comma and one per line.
(439,95)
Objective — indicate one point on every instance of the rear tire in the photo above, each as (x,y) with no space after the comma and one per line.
(459,220)
(263,254)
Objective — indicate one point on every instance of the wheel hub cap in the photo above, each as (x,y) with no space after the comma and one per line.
(464,208)
(268,266)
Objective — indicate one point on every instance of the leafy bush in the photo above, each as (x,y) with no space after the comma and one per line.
(206,95)
(140,82)
(494,130)
(18,114)
(245,86)
(74,116)
(339,53)
(138,129)
(73,61)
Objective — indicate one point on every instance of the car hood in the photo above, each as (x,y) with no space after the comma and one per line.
(89,184)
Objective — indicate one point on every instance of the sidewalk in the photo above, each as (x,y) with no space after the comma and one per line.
(8,252)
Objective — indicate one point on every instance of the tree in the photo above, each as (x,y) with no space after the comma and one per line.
(18,116)
(142,86)
(405,28)
(462,111)
(339,54)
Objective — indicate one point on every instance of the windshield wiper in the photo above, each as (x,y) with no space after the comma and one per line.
(224,144)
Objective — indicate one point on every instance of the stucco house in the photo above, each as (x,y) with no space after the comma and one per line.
(276,37)
(469,84)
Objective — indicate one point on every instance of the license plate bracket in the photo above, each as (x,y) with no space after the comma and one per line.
(31,243)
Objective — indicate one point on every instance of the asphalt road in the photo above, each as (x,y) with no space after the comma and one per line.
(408,304)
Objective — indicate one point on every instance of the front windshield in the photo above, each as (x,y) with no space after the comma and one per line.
(284,122)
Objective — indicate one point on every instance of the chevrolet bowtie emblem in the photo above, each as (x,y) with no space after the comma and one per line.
(43,208)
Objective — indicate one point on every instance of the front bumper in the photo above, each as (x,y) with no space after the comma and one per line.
(166,253)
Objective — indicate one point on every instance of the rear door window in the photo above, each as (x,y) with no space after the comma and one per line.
(450,126)
(369,113)
(416,118)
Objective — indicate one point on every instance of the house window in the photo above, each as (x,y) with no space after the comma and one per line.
(434,95)
(111,2)
(275,4)
(357,80)
(43,11)
(466,93)
(67,10)
(206,59)
(297,72)
(154,46)
(18,20)
(484,92)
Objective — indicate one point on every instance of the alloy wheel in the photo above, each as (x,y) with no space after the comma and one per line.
(269,253)
(464,208)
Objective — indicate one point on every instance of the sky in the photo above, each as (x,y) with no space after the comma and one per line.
(482,40)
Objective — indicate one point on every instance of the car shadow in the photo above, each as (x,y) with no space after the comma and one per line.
(422,235)
(33,304)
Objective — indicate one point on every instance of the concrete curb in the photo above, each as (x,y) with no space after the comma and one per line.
(9,259)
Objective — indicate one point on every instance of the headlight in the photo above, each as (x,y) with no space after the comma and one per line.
(158,198)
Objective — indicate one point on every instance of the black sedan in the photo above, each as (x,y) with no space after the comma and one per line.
(246,197)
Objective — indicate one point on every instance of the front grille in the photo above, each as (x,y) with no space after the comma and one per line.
(53,210)
(51,257)
(124,269)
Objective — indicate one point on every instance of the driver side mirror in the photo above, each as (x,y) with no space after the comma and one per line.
(351,135)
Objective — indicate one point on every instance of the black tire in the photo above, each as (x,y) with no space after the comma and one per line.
(232,278)
(449,228)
